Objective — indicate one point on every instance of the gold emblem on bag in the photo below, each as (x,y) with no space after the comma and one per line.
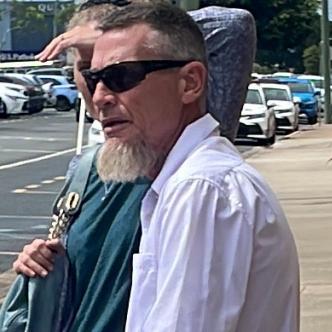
(66,207)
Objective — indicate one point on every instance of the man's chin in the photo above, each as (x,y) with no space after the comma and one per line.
(124,162)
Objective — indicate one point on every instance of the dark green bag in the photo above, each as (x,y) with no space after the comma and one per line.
(37,304)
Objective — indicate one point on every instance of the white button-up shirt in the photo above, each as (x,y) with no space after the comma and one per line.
(216,253)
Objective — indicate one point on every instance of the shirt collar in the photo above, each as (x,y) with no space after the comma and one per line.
(192,135)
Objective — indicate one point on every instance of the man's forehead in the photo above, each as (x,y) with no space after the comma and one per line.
(119,45)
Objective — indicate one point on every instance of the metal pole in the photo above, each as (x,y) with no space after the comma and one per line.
(326,60)
(55,14)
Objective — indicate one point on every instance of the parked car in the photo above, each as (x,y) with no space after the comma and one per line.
(257,119)
(318,82)
(66,71)
(50,99)
(19,96)
(64,91)
(96,134)
(305,90)
(285,110)
(13,98)
(2,108)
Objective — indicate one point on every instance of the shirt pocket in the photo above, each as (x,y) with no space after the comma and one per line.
(143,291)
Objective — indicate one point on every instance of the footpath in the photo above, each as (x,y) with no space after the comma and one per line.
(299,171)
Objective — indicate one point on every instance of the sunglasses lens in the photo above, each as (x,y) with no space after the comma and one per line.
(90,80)
(123,76)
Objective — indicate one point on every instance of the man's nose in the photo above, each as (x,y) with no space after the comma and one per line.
(103,97)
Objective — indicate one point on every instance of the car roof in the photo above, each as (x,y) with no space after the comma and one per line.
(294,80)
(275,86)
(311,77)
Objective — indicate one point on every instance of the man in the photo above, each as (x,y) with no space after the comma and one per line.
(216,253)
(215,244)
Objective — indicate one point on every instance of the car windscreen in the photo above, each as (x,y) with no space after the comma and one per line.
(253,97)
(300,87)
(276,94)
(319,84)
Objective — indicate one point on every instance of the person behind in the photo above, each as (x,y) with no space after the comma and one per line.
(216,252)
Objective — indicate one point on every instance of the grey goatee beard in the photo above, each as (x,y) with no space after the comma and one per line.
(125,162)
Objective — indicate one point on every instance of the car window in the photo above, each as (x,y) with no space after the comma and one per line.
(276,94)
(300,87)
(319,84)
(253,97)
(50,80)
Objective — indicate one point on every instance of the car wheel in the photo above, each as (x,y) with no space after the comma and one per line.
(62,104)
(4,113)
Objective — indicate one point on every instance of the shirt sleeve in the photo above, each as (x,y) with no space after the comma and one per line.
(203,259)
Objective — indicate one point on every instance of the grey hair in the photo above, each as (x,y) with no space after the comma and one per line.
(90,14)
(175,34)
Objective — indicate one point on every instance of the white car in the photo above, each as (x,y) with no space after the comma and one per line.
(13,98)
(96,134)
(279,97)
(257,119)
(50,99)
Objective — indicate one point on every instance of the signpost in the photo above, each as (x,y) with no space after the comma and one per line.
(325,18)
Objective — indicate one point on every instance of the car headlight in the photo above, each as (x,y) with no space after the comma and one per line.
(255,116)
(14,89)
(283,110)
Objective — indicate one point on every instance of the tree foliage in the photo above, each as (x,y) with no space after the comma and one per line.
(284,28)
(311,59)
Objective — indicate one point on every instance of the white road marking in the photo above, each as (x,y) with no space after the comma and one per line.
(40,226)
(29,161)
(60,177)
(39,192)
(4,216)
(42,139)
(48,181)
(32,186)
(27,151)
(19,191)
(9,253)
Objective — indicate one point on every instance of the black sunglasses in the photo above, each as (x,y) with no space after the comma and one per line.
(123,76)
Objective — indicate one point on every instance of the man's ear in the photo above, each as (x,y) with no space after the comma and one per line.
(193,77)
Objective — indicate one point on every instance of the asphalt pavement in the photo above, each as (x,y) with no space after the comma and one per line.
(299,170)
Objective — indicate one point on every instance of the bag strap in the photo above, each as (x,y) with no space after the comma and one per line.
(69,200)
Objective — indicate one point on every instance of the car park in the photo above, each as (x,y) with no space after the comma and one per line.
(64,91)
(19,96)
(257,119)
(309,105)
(279,97)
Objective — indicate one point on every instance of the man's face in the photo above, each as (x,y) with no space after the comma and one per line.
(151,112)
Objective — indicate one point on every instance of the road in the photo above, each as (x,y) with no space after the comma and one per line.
(35,151)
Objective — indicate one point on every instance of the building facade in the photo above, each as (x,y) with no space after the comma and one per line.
(27,26)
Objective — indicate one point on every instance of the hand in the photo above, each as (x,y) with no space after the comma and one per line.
(37,258)
(81,37)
